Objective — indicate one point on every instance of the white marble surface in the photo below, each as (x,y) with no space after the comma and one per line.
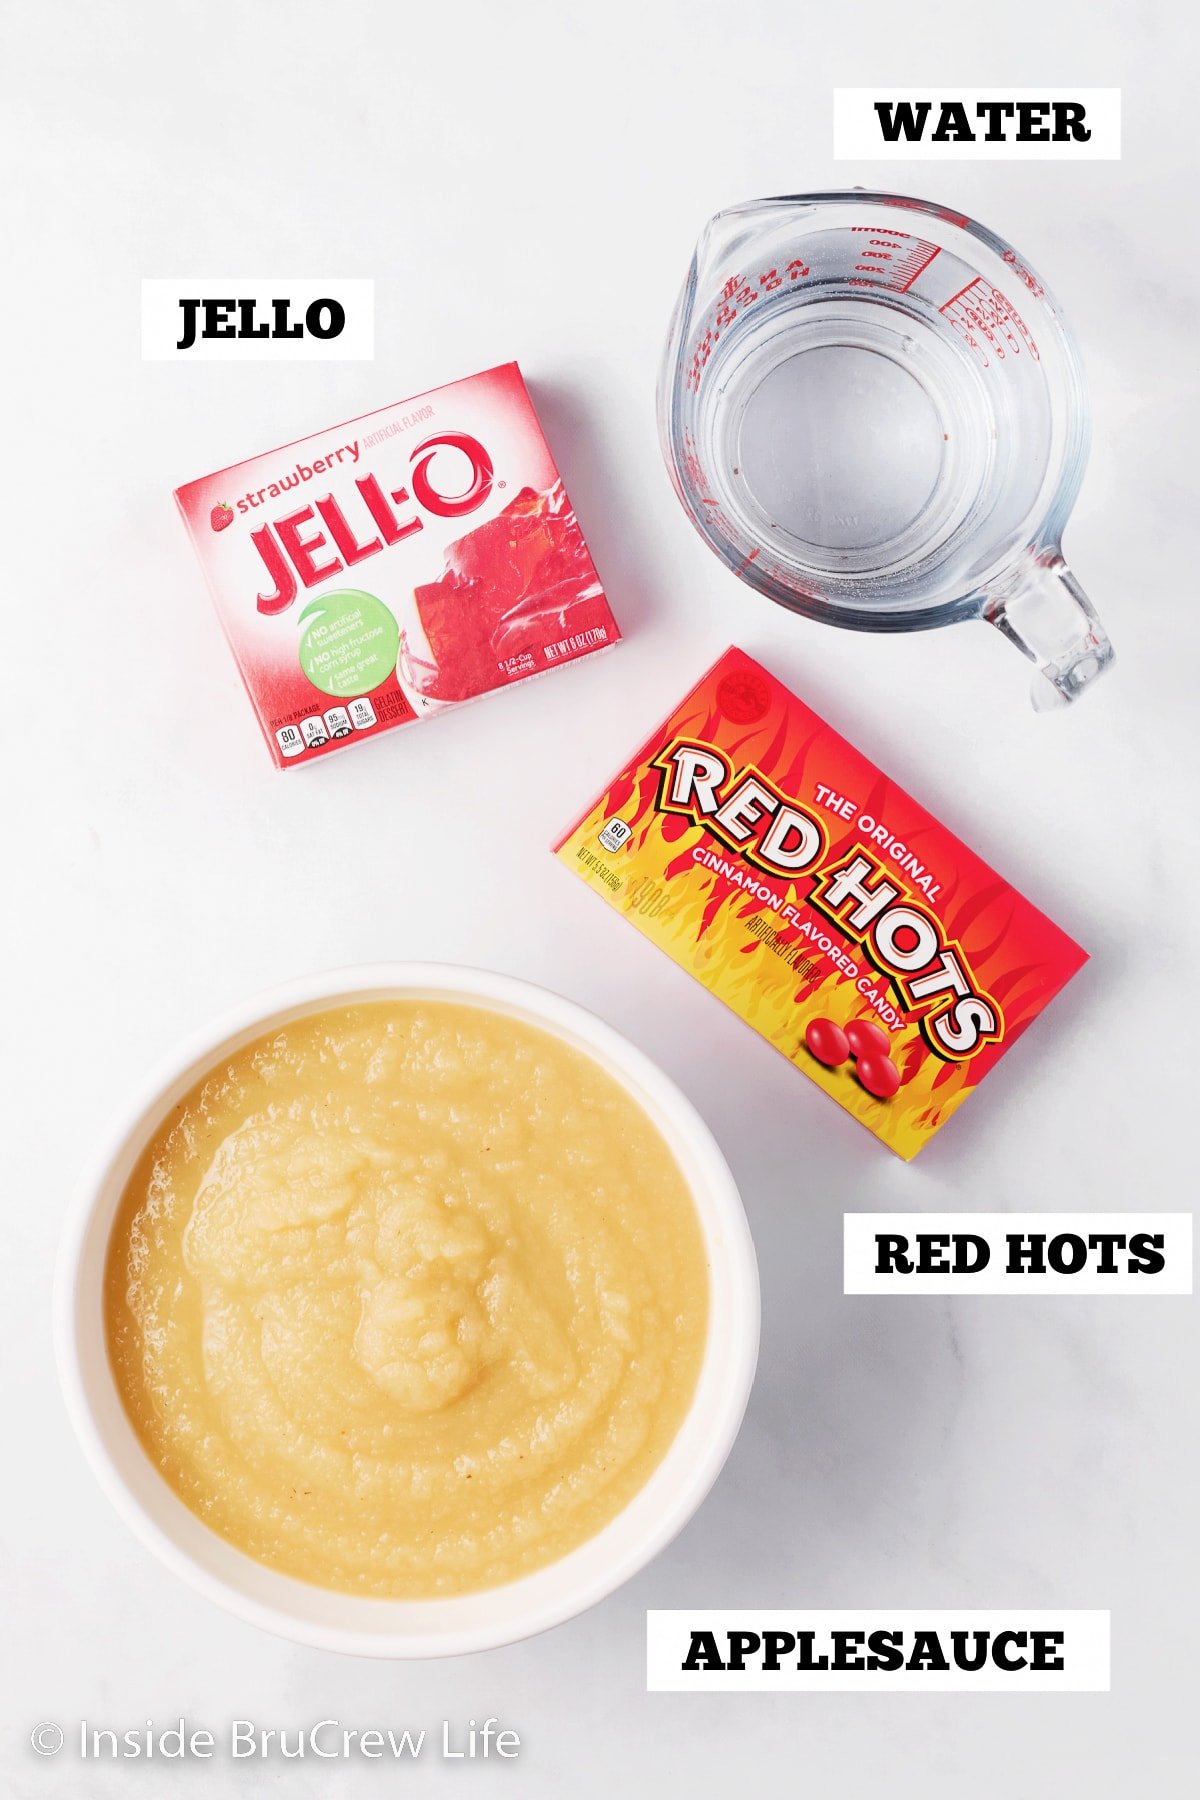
(527,181)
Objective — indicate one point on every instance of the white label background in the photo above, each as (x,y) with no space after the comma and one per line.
(1084,1652)
(860,1253)
(858,132)
(163,318)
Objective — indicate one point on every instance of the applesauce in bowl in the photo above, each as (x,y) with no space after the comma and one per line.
(425,1308)
(406,1298)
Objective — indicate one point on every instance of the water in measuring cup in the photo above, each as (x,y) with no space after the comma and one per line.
(843,447)
(859,440)
(874,413)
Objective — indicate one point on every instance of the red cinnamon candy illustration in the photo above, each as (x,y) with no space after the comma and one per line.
(827,1042)
(866,1039)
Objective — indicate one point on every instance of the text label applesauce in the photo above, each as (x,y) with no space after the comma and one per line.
(878,1650)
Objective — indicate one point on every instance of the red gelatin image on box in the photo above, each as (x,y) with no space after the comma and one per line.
(413,558)
(510,587)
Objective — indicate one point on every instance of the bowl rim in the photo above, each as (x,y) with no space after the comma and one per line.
(728,1366)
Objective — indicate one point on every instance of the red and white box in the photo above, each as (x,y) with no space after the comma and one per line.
(409,560)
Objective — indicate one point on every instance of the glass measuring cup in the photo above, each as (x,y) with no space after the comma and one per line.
(874,412)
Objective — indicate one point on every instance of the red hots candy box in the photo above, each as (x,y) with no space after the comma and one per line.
(411,559)
(816,898)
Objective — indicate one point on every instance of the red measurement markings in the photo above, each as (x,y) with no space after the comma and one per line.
(1027,276)
(986,320)
(891,259)
(739,293)
(941,212)
(694,469)
(910,267)
(697,480)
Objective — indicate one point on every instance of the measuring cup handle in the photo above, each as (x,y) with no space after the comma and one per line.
(1047,615)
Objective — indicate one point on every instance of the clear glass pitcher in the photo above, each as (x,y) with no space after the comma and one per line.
(874,412)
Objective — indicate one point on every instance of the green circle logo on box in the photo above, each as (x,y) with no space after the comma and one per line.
(349,642)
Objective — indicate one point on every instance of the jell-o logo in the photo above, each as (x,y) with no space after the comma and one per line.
(298,546)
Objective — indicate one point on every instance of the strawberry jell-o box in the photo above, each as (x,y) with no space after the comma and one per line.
(817,899)
(381,570)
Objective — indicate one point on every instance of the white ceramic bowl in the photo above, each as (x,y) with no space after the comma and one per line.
(413,1628)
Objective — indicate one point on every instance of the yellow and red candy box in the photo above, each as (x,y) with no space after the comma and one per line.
(811,894)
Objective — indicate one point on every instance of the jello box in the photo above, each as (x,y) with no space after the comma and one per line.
(384,569)
(815,897)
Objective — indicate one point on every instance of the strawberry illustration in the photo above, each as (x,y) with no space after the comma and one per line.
(220,516)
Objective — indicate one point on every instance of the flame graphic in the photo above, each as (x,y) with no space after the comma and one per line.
(778,982)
